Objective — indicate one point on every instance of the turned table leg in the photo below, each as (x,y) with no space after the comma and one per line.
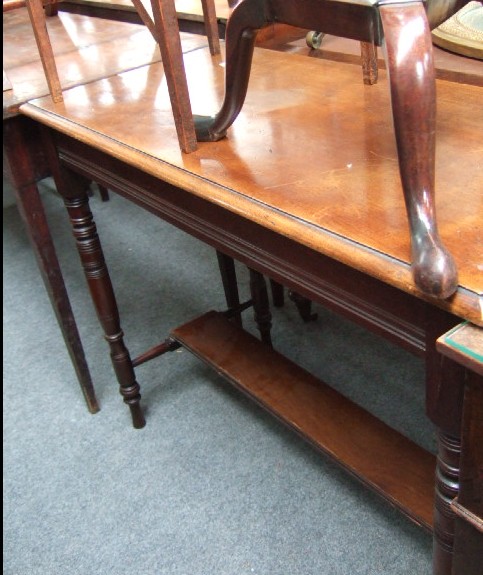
(100,286)
(447,485)
(226,265)
(445,382)
(463,345)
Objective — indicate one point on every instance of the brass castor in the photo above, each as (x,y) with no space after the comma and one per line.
(314,39)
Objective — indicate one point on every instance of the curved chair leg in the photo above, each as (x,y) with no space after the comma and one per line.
(413,93)
(243,25)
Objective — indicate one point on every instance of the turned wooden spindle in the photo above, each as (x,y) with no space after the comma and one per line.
(102,293)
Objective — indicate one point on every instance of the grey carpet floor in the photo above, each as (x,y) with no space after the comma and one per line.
(212,485)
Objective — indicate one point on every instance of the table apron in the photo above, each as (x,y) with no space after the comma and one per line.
(379,307)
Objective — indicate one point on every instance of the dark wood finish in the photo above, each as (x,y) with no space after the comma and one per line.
(406,32)
(413,97)
(470,496)
(373,188)
(101,290)
(304,306)
(104,193)
(278,296)
(468,507)
(263,199)
(24,158)
(26,165)
(444,406)
(464,344)
(261,306)
(214,235)
(168,345)
(377,455)
(385,310)
(230,285)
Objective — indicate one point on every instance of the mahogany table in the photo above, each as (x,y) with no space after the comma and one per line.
(306,190)
(86,49)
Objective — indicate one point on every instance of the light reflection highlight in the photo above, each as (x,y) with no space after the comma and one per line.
(135,82)
(411,31)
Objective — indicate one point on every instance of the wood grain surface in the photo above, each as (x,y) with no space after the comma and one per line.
(312,156)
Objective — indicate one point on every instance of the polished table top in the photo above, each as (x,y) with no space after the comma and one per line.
(85,49)
(189,9)
(312,156)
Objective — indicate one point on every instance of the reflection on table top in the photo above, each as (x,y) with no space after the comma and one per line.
(85,49)
(448,66)
(189,9)
(312,156)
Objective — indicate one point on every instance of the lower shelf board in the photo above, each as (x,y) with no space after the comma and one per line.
(382,458)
